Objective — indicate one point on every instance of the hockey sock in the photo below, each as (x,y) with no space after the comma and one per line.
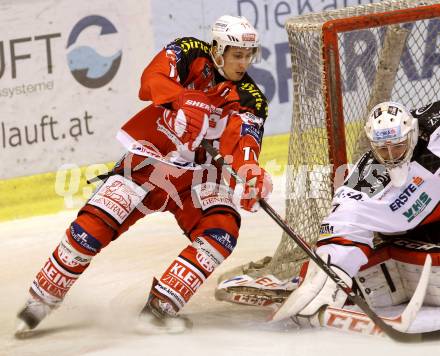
(194,264)
(70,259)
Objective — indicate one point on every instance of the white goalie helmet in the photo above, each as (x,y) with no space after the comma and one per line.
(234,31)
(393,134)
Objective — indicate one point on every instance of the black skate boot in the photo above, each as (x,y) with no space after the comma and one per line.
(32,313)
(159,316)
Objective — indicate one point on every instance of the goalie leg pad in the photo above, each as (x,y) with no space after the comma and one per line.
(393,272)
(409,256)
(316,291)
(380,282)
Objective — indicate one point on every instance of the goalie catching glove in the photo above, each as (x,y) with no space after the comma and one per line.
(316,292)
(190,120)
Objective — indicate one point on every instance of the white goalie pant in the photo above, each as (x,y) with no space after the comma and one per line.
(392,273)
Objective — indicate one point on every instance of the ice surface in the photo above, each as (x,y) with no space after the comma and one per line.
(98,315)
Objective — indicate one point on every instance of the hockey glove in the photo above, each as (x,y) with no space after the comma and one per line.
(190,121)
(258,186)
(317,291)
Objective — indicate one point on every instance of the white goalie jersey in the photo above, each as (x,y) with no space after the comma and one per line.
(367,202)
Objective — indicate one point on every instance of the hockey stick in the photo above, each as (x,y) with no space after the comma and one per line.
(353,321)
(101,177)
(355,299)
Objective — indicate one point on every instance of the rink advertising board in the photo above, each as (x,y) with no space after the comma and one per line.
(69,71)
(69,77)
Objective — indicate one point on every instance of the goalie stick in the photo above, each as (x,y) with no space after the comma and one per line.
(393,333)
(354,321)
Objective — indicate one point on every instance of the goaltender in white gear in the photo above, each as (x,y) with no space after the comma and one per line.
(393,191)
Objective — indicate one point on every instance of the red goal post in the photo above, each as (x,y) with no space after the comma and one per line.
(332,70)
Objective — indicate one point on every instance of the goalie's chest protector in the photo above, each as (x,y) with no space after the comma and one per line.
(394,209)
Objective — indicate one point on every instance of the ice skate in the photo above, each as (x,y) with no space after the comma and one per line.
(32,313)
(159,317)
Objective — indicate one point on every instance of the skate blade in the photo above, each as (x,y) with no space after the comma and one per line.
(179,325)
(22,330)
(152,326)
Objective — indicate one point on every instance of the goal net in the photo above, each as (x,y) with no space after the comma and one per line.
(343,63)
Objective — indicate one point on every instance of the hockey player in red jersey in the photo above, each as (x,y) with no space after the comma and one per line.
(198,91)
(393,195)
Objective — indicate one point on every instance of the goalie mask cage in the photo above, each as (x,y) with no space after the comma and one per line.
(343,63)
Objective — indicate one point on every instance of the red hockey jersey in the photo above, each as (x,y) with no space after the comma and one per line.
(236,126)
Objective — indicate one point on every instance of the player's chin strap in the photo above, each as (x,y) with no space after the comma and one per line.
(395,333)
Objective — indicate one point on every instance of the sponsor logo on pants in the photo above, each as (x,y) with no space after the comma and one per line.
(118,196)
